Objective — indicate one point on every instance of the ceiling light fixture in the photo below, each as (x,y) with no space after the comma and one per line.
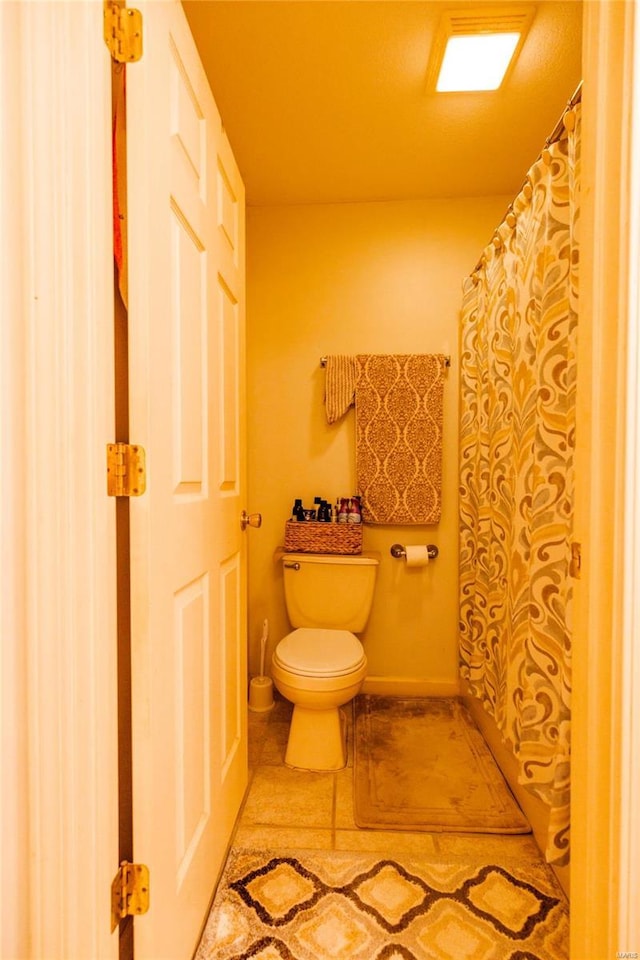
(475,49)
(476,62)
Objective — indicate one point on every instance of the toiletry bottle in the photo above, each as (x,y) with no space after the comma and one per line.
(355,510)
(297,512)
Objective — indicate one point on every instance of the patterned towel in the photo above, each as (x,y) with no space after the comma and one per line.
(399,402)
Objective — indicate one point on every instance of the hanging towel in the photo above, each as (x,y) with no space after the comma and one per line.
(399,401)
(340,385)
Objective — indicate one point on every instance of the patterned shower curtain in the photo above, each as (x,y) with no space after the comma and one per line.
(518,374)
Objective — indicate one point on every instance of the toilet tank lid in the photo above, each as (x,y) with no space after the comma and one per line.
(370,558)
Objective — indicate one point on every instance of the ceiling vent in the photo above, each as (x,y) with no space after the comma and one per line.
(490,20)
(468,29)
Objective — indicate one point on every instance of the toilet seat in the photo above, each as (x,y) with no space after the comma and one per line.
(316,652)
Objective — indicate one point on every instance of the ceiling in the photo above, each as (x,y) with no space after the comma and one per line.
(326,100)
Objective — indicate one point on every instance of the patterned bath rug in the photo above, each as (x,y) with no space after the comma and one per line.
(422,764)
(311,905)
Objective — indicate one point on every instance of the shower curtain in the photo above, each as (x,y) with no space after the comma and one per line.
(518,373)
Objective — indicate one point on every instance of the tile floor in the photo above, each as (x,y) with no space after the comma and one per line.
(287,808)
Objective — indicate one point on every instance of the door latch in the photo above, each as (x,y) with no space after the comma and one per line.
(575,563)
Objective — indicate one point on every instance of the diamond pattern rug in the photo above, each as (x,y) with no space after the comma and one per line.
(422,764)
(306,905)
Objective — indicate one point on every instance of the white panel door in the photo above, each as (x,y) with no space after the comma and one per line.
(186,320)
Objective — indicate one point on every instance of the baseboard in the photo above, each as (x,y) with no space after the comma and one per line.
(410,687)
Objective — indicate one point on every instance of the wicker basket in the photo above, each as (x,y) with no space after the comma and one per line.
(313,537)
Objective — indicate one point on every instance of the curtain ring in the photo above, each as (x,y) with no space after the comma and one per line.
(519,204)
(511,219)
(546,156)
(569,120)
(528,190)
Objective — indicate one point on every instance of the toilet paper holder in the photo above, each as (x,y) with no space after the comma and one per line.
(400,552)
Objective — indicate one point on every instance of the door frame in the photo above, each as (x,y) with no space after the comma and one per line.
(59,772)
(605,840)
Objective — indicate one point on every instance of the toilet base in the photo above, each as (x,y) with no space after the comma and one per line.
(317,739)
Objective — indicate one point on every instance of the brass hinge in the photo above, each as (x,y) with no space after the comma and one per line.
(575,563)
(122,31)
(126,472)
(129,892)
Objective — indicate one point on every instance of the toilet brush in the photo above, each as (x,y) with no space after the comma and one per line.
(261,688)
(263,645)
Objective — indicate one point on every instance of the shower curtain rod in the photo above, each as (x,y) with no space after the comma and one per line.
(575,98)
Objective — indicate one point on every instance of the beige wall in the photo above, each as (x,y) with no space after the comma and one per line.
(366,278)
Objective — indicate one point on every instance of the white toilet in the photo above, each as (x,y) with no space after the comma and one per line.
(321,664)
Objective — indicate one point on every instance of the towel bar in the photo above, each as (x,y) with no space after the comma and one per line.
(323,361)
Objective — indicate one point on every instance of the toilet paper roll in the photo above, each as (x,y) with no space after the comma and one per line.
(417,556)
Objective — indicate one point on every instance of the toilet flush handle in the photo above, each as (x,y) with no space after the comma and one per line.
(250,520)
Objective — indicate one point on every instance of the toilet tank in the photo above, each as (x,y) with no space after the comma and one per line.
(329,591)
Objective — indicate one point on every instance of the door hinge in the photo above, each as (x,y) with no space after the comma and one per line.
(129,892)
(126,471)
(575,563)
(122,31)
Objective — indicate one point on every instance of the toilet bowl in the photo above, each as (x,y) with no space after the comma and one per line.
(321,665)
(318,671)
